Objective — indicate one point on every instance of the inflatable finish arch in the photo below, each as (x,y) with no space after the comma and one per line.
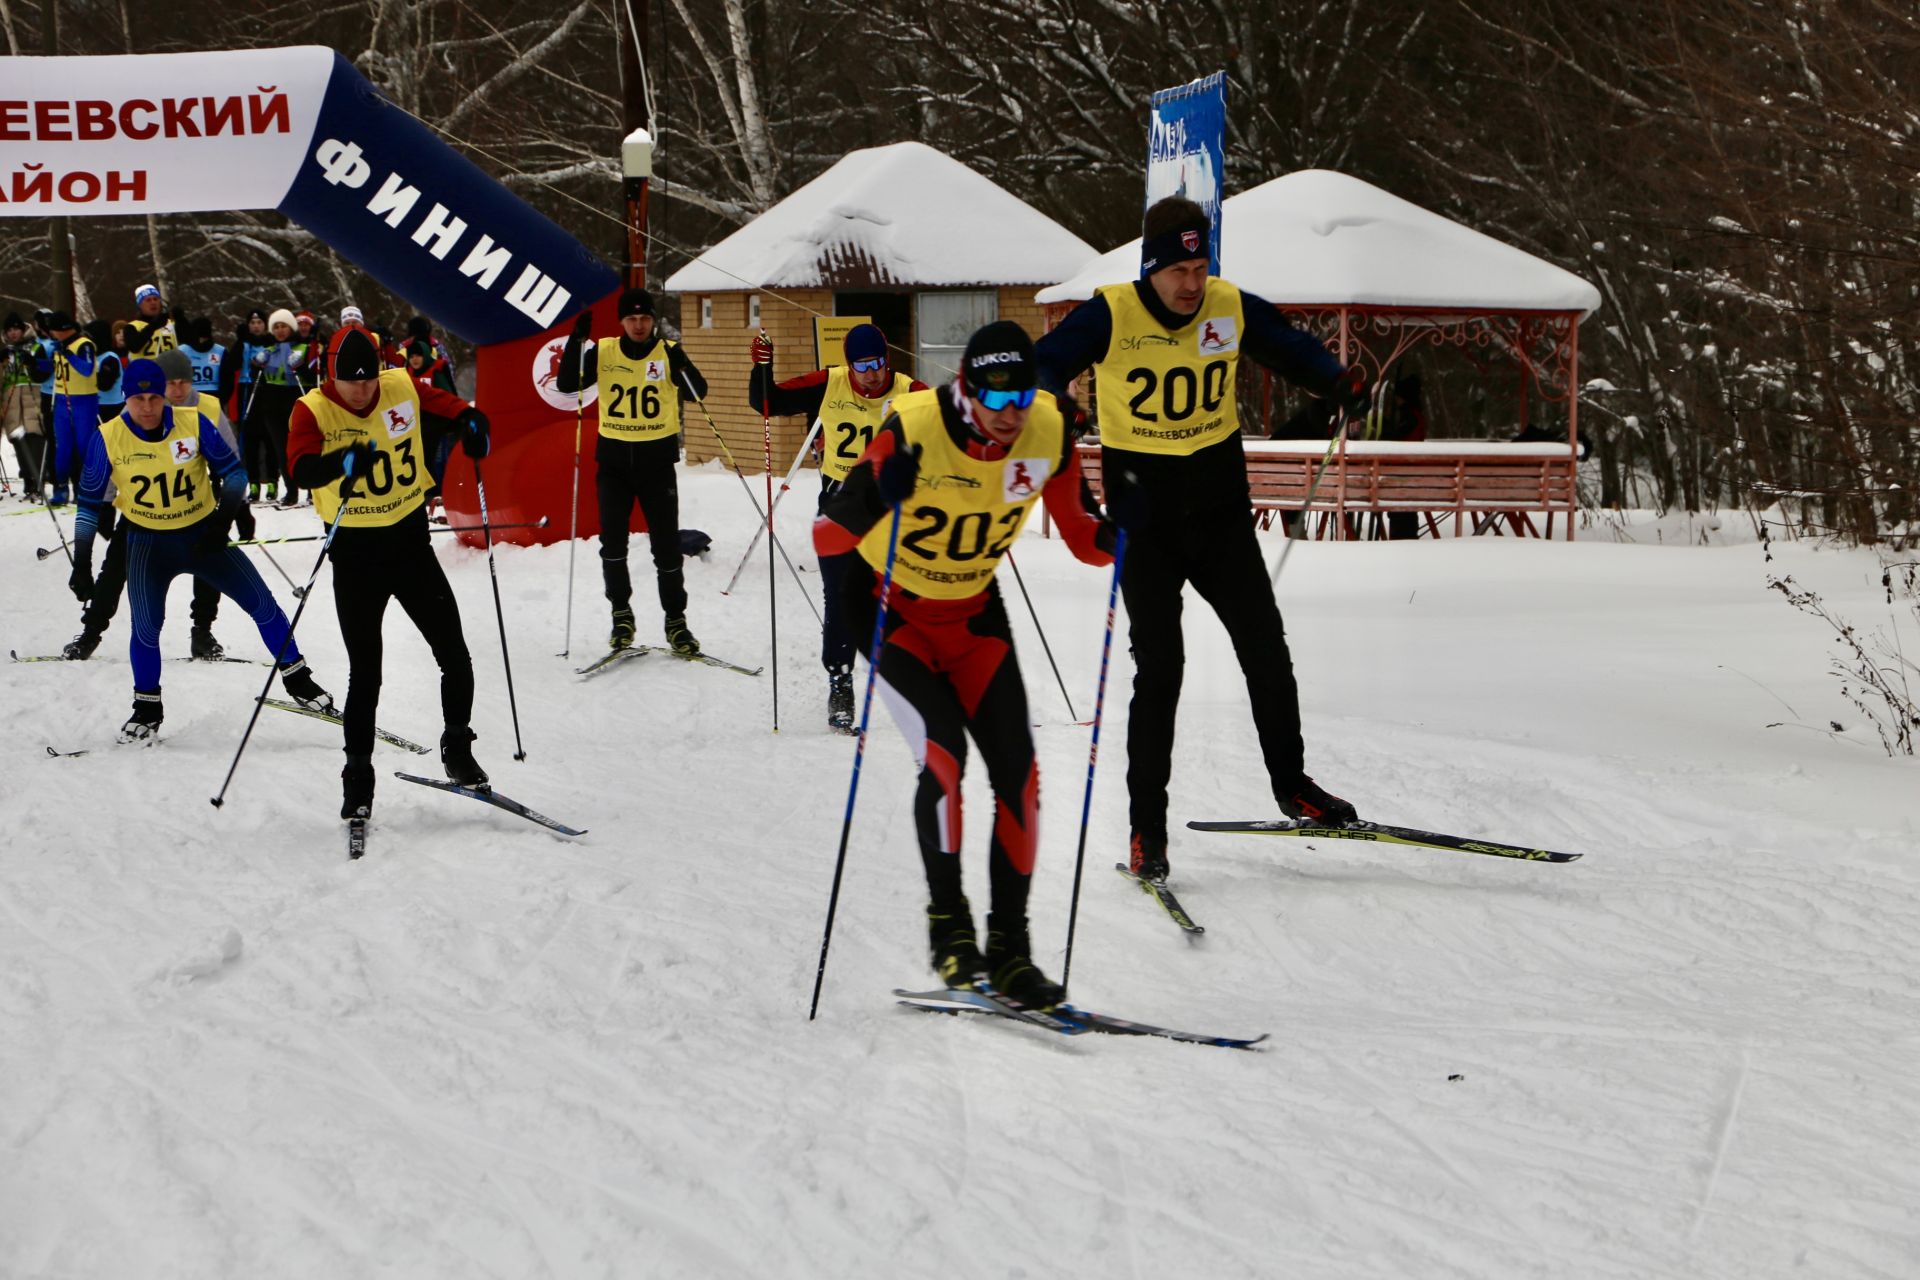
(300,131)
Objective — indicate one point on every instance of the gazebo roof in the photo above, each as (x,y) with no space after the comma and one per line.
(903,215)
(1320,238)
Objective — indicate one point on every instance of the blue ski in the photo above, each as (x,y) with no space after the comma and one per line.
(488,795)
(1066,1019)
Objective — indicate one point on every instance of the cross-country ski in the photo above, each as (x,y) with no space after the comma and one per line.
(1382,833)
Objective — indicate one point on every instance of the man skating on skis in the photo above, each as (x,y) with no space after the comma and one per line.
(849,400)
(641,378)
(965,464)
(180,489)
(366,438)
(1165,351)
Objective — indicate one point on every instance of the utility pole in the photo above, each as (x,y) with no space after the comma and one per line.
(636,148)
(59,239)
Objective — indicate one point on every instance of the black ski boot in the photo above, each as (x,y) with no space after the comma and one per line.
(1011,970)
(356,787)
(622,637)
(147,714)
(840,698)
(456,757)
(679,639)
(304,689)
(1307,801)
(1147,857)
(956,952)
(81,647)
(205,647)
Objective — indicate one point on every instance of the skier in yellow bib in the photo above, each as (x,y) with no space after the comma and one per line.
(849,401)
(1165,350)
(641,378)
(966,465)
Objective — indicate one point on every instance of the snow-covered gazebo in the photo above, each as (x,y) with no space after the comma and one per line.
(1380,278)
(903,233)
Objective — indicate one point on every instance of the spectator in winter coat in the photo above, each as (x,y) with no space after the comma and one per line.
(21,367)
(284,378)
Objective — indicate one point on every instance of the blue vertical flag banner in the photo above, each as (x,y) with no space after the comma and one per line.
(1186,148)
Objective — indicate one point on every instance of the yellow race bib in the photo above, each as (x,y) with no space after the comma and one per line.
(69,381)
(849,419)
(397,480)
(965,512)
(1169,391)
(164,484)
(638,398)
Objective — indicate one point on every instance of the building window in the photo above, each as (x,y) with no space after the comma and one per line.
(944,322)
(753,312)
(706,311)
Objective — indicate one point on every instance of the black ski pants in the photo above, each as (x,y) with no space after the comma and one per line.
(370,568)
(646,472)
(1217,552)
(836,642)
(111,584)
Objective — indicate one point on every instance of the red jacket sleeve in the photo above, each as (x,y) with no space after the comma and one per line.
(303,436)
(1064,495)
(439,402)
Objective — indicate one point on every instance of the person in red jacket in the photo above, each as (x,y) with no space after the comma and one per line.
(964,465)
(368,438)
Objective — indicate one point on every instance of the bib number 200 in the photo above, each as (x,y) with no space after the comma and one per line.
(1179,391)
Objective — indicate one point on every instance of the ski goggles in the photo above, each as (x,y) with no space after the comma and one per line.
(873,365)
(998,400)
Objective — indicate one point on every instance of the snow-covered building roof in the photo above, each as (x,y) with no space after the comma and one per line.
(899,215)
(1317,237)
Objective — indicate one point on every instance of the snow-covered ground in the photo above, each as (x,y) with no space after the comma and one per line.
(487,1051)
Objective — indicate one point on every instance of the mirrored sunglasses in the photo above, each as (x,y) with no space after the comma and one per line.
(874,365)
(998,400)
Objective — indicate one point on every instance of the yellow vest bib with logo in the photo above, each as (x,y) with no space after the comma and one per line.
(638,398)
(164,484)
(965,512)
(849,419)
(158,341)
(397,480)
(1169,391)
(67,380)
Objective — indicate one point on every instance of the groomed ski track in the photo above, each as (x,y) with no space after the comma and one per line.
(489,1051)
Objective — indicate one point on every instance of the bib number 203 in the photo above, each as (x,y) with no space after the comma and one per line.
(968,535)
(380,476)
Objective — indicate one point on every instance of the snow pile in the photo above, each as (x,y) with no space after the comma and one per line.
(903,214)
(1321,238)
(489,1052)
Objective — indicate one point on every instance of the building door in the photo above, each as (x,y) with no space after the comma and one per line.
(893,312)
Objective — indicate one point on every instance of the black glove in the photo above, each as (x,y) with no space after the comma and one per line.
(899,473)
(214,530)
(475,433)
(1076,417)
(81,582)
(583,326)
(355,460)
(243,522)
(1353,391)
(1127,503)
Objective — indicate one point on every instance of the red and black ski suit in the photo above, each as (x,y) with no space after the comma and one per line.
(948,669)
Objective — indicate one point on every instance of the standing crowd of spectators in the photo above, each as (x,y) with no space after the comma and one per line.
(58,377)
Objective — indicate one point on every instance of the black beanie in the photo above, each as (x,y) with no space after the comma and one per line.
(356,358)
(418,327)
(13,321)
(635,302)
(999,357)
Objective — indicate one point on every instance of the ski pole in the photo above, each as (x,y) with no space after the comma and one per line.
(1093,752)
(1035,614)
(305,595)
(298,590)
(573,519)
(541,523)
(486,530)
(1379,393)
(859,755)
(727,453)
(760,530)
(773,613)
(59,533)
